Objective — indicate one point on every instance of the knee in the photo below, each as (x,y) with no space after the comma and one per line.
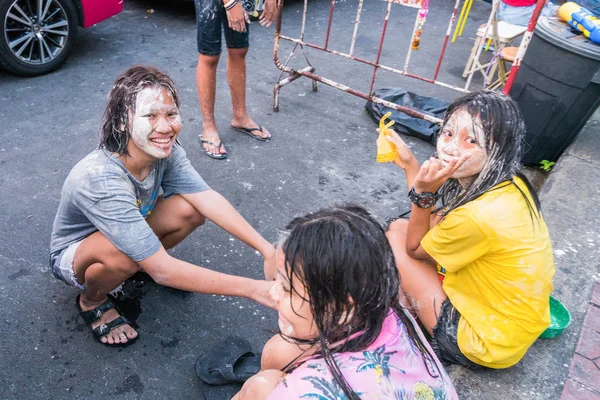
(260,386)
(196,219)
(126,265)
(399,225)
(191,216)
(208,61)
(238,54)
(115,260)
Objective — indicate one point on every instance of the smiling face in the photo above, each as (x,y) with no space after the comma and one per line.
(463,136)
(295,316)
(155,123)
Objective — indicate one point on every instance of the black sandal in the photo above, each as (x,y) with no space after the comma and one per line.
(216,156)
(232,362)
(250,132)
(92,315)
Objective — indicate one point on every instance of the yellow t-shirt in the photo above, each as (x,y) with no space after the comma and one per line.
(499,268)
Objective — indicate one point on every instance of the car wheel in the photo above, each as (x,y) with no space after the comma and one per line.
(36,36)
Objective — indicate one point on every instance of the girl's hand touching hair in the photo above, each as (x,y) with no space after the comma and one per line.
(237,18)
(405,157)
(433,174)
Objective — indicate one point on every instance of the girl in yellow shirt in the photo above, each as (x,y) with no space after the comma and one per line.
(478,272)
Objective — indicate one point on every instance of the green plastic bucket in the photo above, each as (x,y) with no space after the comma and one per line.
(559,319)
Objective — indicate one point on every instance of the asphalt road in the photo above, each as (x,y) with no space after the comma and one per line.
(322,152)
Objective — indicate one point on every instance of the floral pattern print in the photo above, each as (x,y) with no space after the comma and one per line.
(391,368)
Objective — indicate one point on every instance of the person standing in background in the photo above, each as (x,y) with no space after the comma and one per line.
(231,15)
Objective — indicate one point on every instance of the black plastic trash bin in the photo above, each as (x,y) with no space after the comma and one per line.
(557,88)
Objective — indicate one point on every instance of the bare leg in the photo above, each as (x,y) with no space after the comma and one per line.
(101,267)
(206,82)
(260,386)
(276,354)
(173,220)
(419,279)
(236,76)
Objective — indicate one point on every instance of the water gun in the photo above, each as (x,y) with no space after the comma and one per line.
(386,151)
(581,19)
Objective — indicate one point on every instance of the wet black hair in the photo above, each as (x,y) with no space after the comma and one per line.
(344,260)
(115,129)
(504,130)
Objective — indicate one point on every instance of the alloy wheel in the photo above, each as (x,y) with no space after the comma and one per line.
(36,31)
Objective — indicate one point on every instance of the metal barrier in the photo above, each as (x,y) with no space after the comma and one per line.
(514,70)
(309,71)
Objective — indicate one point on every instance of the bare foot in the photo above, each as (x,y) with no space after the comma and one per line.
(248,123)
(119,335)
(214,138)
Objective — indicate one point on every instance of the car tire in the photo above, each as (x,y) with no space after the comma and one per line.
(42,48)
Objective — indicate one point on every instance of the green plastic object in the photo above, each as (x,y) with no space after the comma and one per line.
(559,319)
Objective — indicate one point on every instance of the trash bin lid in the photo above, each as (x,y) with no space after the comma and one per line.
(559,33)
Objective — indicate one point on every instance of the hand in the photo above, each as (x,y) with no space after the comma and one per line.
(237,18)
(270,266)
(405,156)
(261,293)
(269,13)
(433,174)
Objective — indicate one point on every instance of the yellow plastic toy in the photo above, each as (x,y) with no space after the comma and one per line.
(581,19)
(386,151)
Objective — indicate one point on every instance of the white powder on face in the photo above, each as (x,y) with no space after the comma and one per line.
(156,101)
(452,147)
(284,326)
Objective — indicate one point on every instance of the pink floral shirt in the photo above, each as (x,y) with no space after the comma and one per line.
(391,368)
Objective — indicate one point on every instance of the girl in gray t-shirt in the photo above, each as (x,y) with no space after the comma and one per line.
(124,204)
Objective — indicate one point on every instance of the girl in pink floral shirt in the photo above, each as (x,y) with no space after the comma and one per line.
(344,334)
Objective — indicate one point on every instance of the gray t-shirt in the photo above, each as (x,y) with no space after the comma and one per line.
(101,195)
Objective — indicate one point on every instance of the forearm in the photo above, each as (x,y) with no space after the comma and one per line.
(217,209)
(411,170)
(418,226)
(178,274)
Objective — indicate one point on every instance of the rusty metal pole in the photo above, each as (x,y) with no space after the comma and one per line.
(385,22)
(514,69)
(448,32)
(308,72)
(356,22)
(329,23)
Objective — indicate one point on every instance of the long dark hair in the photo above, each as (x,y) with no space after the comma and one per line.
(115,130)
(504,131)
(344,260)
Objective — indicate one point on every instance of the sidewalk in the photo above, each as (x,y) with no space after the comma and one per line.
(572,194)
(570,199)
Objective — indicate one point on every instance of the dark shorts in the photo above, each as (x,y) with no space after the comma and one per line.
(445,338)
(210,17)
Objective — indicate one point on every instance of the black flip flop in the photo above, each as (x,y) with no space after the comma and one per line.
(248,131)
(232,362)
(216,156)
